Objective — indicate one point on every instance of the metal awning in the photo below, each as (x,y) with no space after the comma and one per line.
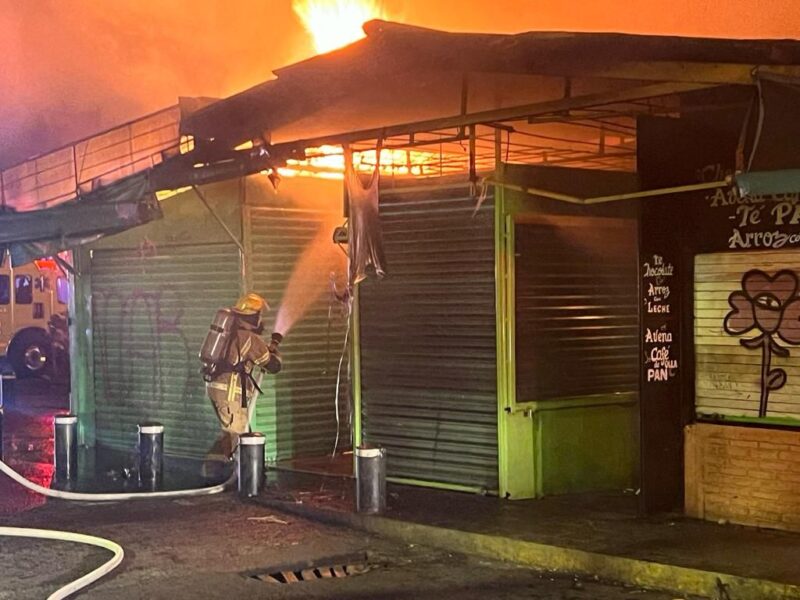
(319,96)
(124,204)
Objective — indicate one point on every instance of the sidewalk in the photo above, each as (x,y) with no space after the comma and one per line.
(593,534)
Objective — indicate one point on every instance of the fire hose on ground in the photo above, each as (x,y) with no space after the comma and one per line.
(251,452)
(67,536)
(79,538)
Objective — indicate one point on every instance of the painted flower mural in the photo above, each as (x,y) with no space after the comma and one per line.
(769,306)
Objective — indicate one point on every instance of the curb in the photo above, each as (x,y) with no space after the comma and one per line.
(632,571)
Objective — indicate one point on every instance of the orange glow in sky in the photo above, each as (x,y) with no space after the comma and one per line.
(101,67)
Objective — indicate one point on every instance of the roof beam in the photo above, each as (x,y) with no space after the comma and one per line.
(512,113)
(693,72)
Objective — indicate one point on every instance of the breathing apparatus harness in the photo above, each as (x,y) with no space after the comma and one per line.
(223,333)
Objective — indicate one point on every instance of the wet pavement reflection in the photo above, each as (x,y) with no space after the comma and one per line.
(28,448)
(28,440)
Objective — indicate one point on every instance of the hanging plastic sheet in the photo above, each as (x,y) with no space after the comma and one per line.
(776,132)
(366,239)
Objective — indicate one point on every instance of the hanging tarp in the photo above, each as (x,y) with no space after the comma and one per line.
(366,241)
(769,183)
(776,130)
(31,234)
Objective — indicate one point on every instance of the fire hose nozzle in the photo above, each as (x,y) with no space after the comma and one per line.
(274,363)
(275,341)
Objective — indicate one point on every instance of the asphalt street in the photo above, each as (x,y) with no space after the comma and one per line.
(224,547)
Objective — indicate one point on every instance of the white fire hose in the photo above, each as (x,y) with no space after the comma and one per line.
(67,536)
(114,496)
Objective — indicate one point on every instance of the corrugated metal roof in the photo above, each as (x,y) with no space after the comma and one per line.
(394,52)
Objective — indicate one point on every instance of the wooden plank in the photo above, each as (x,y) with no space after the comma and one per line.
(693,474)
(290,577)
(741,407)
(739,372)
(692,72)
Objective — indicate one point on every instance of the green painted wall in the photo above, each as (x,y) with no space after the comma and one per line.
(296,412)
(186,221)
(589,447)
(557,446)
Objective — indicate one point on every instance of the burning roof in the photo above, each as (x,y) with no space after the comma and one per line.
(357,86)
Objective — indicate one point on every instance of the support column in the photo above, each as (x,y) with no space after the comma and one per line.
(515,430)
(82,402)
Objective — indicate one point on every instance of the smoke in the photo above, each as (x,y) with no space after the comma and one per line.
(321,263)
(71,69)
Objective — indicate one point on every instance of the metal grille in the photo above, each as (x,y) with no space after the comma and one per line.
(297,408)
(428,340)
(151,311)
(61,175)
(576,307)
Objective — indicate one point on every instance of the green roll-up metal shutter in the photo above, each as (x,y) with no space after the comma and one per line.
(150,312)
(297,411)
(428,340)
(576,305)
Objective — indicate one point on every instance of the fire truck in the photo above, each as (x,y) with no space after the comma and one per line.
(33,317)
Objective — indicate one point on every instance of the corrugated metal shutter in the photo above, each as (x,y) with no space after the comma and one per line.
(728,375)
(428,371)
(150,313)
(577,324)
(298,404)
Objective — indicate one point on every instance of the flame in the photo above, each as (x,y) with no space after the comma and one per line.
(336,23)
(327,162)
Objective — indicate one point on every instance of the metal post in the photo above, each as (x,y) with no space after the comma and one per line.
(151,454)
(370,480)
(251,464)
(355,366)
(65,429)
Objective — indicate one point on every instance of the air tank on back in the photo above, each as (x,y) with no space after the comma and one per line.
(214,347)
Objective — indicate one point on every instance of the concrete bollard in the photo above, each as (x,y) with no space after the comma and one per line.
(251,464)
(65,433)
(151,455)
(370,480)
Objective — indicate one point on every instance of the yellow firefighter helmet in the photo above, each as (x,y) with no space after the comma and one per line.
(251,304)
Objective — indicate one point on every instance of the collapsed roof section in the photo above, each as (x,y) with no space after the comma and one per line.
(103,184)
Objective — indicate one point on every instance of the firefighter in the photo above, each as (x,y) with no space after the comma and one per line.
(233,384)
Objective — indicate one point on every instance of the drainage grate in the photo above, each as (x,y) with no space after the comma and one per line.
(313,573)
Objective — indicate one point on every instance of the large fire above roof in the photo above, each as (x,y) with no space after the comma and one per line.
(336,23)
